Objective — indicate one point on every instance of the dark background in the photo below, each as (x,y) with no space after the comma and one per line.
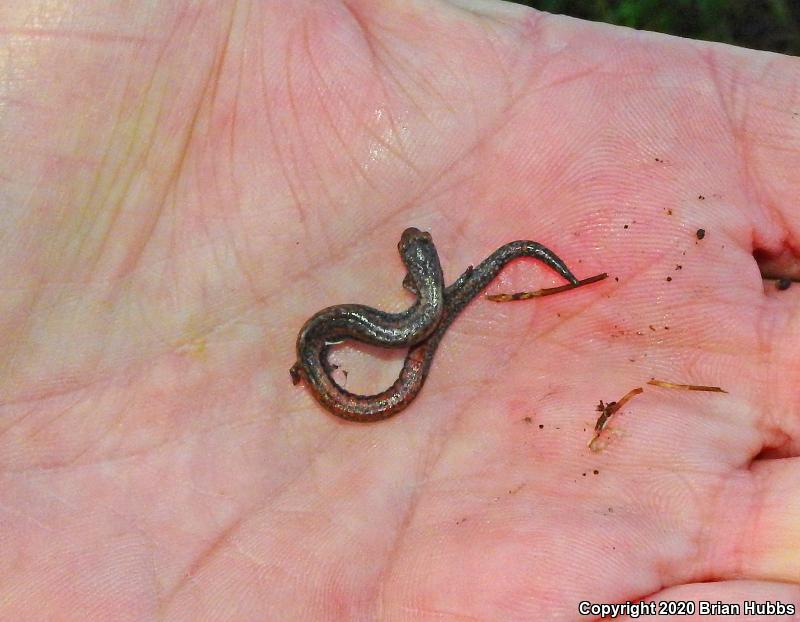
(760,24)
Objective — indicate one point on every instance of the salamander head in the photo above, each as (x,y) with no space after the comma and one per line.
(412,235)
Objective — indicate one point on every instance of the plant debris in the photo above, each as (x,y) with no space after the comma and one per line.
(547,291)
(687,387)
(607,410)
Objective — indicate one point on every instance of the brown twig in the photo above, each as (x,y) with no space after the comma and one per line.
(609,409)
(547,291)
(687,387)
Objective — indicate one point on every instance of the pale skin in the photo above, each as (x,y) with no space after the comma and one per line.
(182,187)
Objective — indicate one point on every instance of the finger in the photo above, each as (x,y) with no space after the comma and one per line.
(779,373)
(767,137)
(757,524)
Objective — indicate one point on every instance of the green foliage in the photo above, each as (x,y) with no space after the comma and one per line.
(763,24)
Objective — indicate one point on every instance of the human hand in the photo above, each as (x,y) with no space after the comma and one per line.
(185,185)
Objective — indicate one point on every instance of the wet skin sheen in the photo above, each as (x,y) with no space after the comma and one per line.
(419,328)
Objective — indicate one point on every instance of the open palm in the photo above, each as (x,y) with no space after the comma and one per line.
(184,184)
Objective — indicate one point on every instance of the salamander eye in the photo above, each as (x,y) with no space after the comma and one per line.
(412,234)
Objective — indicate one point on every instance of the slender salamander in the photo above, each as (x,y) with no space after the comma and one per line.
(419,328)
